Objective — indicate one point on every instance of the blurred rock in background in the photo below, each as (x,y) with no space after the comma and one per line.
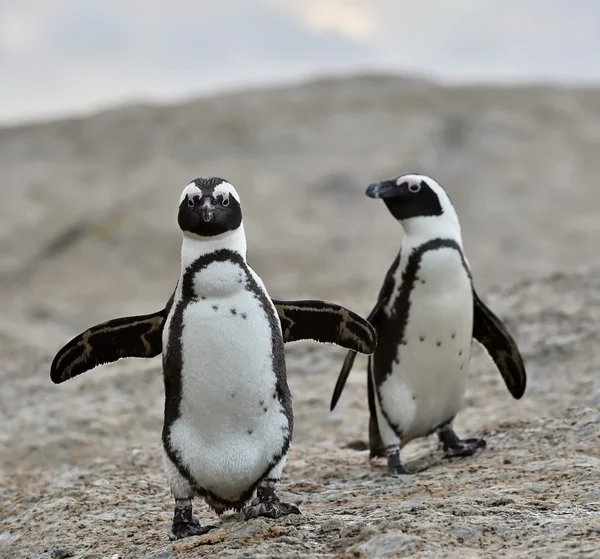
(88,220)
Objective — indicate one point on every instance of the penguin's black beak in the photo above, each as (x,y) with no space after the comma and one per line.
(384,189)
(206,211)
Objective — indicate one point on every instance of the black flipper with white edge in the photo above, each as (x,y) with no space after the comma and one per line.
(326,323)
(349,361)
(141,336)
(130,336)
(373,319)
(491,333)
(119,338)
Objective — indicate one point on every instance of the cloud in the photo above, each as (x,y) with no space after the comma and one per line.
(89,52)
(254,34)
(59,56)
(490,39)
(89,30)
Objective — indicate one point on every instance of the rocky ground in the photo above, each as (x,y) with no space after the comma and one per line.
(87,232)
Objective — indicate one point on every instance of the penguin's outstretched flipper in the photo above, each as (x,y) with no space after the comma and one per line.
(119,338)
(130,336)
(141,336)
(326,323)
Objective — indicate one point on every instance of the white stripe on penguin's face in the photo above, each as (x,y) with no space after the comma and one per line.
(190,189)
(226,189)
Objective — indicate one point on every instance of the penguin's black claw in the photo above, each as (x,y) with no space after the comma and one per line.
(454,446)
(466,447)
(399,470)
(395,466)
(181,530)
(267,503)
(269,508)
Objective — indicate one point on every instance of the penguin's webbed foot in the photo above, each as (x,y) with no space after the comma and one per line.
(399,470)
(466,447)
(453,446)
(267,503)
(181,530)
(270,509)
(395,466)
(184,523)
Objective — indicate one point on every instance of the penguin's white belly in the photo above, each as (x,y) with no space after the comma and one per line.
(231,423)
(429,378)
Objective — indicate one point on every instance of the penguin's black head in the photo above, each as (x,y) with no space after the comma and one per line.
(209,206)
(409,196)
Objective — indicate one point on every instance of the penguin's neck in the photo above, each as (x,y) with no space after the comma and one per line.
(194,246)
(419,230)
(440,265)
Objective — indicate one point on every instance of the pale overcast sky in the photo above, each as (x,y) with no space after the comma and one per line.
(64,56)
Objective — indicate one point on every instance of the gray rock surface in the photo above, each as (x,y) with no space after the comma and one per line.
(88,232)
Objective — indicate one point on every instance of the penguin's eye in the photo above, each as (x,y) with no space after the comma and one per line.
(414,188)
(225,202)
(190,203)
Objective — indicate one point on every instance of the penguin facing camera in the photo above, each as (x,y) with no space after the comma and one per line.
(228,418)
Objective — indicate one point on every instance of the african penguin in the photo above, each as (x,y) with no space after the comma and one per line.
(426,317)
(228,417)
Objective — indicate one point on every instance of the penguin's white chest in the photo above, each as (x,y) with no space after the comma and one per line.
(231,423)
(429,376)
